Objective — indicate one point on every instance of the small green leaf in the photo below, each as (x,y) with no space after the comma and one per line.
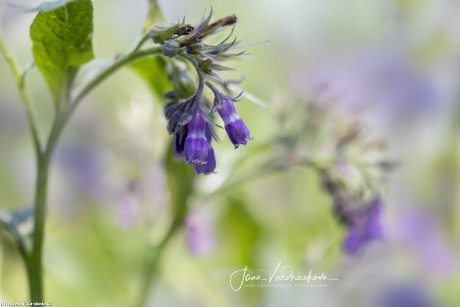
(154,14)
(19,223)
(153,71)
(180,178)
(62,43)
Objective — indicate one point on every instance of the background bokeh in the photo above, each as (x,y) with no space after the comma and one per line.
(392,64)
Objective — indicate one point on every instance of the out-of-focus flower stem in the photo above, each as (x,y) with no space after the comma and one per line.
(266,169)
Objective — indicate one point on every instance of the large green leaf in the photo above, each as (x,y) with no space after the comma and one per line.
(240,232)
(62,42)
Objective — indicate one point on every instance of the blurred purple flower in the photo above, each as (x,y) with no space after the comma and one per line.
(405,296)
(83,165)
(385,83)
(431,248)
(362,223)
(200,235)
(128,209)
(143,197)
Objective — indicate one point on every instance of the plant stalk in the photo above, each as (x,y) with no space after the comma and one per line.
(34,259)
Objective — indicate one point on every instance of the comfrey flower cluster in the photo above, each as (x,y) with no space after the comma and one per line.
(189,113)
(361,218)
(351,164)
(363,223)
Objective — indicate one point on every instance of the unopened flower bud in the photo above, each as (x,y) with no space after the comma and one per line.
(161,32)
(170,48)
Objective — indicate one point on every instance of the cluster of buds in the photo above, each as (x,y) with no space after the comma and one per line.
(188,112)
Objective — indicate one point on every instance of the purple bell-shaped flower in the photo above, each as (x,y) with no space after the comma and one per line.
(196,144)
(210,164)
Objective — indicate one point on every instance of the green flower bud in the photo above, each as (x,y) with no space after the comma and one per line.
(162,32)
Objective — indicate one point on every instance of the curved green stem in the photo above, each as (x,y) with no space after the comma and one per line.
(62,120)
(143,40)
(33,259)
(19,78)
(17,237)
(35,263)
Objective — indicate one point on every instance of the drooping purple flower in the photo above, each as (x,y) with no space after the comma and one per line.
(196,144)
(210,164)
(362,223)
(236,129)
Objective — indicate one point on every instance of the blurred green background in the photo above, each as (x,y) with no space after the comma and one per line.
(393,64)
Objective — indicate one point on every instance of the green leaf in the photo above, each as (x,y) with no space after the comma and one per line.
(240,232)
(153,71)
(19,223)
(154,14)
(62,43)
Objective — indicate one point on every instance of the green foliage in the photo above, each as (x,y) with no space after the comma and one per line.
(153,71)
(180,183)
(62,43)
(18,224)
(241,233)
